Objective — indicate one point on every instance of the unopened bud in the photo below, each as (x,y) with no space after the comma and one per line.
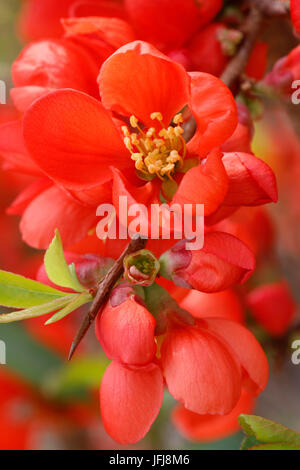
(141,268)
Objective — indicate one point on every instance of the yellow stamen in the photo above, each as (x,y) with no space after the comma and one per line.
(156,153)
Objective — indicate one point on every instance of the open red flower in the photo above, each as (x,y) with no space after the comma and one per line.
(137,82)
(205,364)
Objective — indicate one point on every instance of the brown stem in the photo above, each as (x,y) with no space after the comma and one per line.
(271,7)
(237,65)
(104,288)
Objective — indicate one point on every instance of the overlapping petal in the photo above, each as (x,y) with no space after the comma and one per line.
(130,399)
(79,135)
(125,329)
(247,349)
(251,181)
(51,210)
(205,184)
(139,80)
(169,23)
(200,370)
(214,110)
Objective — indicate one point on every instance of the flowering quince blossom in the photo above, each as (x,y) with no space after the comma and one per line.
(118,160)
(204,363)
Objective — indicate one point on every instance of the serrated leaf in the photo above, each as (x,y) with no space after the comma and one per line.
(267,431)
(19,292)
(37,310)
(57,268)
(76,302)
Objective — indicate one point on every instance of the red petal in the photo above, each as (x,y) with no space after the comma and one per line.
(42,19)
(204,184)
(257,63)
(225,304)
(19,204)
(247,349)
(55,64)
(140,80)
(169,23)
(130,400)
(206,428)
(295,12)
(13,150)
(104,8)
(251,181)
(200,370)
(113,31)
(214,110)
(126,332)
(54,209)
(273,306)
(222,262)
(80,136)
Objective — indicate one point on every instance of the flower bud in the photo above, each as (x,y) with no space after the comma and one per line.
(222,262)
(141,268)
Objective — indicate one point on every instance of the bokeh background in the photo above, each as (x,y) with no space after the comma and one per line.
(48,403)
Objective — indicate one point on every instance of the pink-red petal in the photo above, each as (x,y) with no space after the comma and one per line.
(130,399)
(73,139)
(138,79)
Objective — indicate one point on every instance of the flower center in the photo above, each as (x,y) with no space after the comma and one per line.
(156,153)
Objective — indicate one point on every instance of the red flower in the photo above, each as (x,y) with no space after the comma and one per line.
(222,262)
(206,428)
(273,307)
(89,153)
(205,364)
(73,61)
(165,23)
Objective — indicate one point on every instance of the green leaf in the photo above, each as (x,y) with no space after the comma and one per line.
(57,268)
(18,291)
(267,431)
(278,446)
(76,302)
(37,310)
